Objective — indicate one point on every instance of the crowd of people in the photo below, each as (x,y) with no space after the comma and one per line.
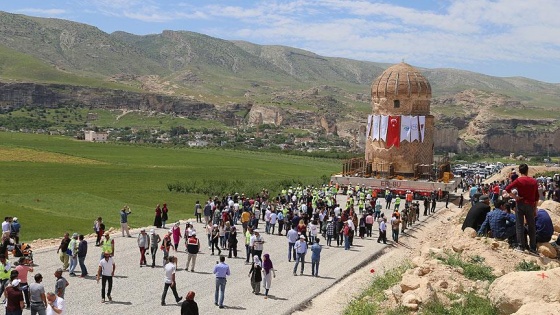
(515,216)
(299,216)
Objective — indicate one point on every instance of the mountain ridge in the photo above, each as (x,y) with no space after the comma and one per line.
(210,70)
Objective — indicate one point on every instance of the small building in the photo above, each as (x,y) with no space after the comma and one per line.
(92,136)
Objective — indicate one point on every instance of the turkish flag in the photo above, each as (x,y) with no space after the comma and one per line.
(394,131)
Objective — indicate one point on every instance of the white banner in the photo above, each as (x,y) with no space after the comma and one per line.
(422,122)
(368,127)
(376,122)
(414,129)
(405,128)
(383,128)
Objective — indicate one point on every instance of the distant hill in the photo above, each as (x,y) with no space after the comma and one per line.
(220,72)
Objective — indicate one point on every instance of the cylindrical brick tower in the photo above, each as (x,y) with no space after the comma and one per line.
(402,90)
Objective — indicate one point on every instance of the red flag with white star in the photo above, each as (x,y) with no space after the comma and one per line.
(394,131)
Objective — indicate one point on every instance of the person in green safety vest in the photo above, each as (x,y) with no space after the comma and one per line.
(397,202)
(107,245)
(5,270)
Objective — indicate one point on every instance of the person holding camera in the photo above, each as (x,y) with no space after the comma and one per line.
(125,212)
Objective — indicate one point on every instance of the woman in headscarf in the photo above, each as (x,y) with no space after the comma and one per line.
(268,272)
(176,230)
(189,306)
(256,275)
(157,220)
(164,216)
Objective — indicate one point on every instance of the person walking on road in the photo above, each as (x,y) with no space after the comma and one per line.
(106,271)
(82,252)
(143,245)
(73,254)
(62,251)
(170,269)
(382,231)
(256,275)
(107,245)
(189,306)
(301,250)
(125,212)
(193,247)
(268,273)
(315,258)
(256,244)
(37,296)
(60,284)
(154,243)
(221,271)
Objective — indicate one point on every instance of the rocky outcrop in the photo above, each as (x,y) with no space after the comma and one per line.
(511,291)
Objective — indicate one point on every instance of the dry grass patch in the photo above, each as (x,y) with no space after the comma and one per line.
(28,155)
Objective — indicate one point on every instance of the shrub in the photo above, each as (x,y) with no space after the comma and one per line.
(527,266)
(474,270)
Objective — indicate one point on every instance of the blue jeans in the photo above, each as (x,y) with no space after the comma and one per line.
(396,235)
(315,267)
(248,250)
(300,258)
(73,263)
(83,268)
(220,291)
(291,250)
(346,242)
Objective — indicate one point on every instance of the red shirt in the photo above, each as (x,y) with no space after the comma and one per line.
(527,189)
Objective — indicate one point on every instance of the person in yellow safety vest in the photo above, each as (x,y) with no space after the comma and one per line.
(397,202)
(360,206)
(108,244)
(5,271)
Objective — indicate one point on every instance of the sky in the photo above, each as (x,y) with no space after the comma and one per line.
(505,38)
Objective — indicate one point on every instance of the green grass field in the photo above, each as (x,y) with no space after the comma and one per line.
(65,184)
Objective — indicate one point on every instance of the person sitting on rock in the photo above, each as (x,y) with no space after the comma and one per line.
(498,221)
(477,214)
(544,227)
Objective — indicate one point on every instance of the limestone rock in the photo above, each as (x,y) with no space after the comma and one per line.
(417,261)
(410,282)
(547,250)
(553,207)
(509,292)
(458,248)
(436,251)
(540,308)
(411,301)
(470,232)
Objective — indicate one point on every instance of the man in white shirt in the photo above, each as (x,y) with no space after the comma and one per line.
(55,304)
(256,244)
(106,271)
(170,269)
(267,220)
(273,219)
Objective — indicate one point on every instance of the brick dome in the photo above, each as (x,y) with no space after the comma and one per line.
(401,81)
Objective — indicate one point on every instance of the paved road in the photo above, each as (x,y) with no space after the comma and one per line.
(138,290)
